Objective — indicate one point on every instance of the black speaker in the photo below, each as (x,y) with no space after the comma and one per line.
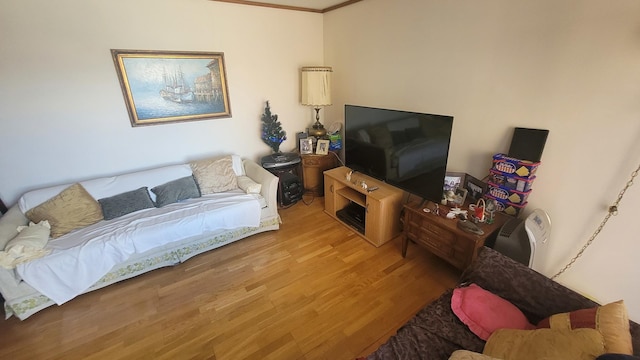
(290,189)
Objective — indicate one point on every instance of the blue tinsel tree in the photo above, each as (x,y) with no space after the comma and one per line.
(272,133)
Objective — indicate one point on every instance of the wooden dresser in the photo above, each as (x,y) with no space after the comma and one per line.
(442,236)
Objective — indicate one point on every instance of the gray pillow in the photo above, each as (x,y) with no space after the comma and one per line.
(126,203)
(176,190)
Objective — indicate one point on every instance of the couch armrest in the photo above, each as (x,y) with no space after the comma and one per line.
(269,182)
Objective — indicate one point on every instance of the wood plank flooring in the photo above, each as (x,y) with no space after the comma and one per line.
(311,290)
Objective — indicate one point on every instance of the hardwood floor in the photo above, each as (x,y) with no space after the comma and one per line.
(311,290)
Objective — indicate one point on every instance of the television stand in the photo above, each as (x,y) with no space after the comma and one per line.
(381,207)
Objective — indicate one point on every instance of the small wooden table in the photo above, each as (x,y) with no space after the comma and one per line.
(442,236)
(313,166)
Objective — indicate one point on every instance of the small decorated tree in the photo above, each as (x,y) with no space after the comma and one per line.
(272,133)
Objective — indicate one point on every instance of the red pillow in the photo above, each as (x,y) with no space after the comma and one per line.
(484,312)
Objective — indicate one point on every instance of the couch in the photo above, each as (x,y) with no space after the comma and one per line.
(100,231)
(436,332)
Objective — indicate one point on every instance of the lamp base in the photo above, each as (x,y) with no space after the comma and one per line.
(317,131)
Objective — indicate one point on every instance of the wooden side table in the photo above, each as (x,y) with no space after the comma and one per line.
(442,237)
(313,167)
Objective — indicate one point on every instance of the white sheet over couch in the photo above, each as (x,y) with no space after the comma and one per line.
(82,257)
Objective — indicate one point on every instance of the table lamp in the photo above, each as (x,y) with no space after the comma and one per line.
(316,92)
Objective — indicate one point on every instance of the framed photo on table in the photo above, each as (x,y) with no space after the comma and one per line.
(306,146)
(453,180)
(322,147)
(475,187)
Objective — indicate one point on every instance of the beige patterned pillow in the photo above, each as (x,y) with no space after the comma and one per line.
(214,175)
(611,320)
(548,344)
(72,209)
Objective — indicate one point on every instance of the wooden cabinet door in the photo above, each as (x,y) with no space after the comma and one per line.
(373,227)
(330,195)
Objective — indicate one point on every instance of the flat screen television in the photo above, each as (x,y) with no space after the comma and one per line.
(406,149)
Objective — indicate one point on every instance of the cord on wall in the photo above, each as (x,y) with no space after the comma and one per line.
(613,210)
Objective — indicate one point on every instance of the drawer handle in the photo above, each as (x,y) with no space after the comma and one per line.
(331,188)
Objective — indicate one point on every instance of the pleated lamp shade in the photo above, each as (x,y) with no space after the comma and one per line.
(316,86)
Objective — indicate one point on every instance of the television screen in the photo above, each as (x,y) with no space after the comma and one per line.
(406,149)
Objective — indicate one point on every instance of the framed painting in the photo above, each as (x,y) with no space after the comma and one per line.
(170,86)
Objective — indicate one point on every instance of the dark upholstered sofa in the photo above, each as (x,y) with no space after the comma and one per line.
(435,332)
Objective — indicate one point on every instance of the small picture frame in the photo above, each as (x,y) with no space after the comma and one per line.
(306,146)
(461,196)
(453,180)
(322,147)
(300,136)
(475,187)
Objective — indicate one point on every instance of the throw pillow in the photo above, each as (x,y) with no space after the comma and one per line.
(610,319)
(176,190)
(548,344)
(484,312)
(469,355)
(27,245)
(9,222)
(126,203)
(214,175)
(612,356)
(248,185)
(71,209)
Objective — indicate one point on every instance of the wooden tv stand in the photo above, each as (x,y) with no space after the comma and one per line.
(381,206)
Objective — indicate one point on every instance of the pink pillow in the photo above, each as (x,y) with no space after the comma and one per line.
(484,312)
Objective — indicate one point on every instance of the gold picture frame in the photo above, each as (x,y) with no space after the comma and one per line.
(162,87)
(322,147)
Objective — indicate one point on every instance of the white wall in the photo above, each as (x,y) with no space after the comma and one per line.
(62,113)
(572,67)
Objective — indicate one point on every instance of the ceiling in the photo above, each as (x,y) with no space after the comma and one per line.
(320,6)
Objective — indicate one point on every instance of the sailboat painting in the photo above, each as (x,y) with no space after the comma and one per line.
(171,86)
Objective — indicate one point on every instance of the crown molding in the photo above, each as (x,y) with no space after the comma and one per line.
(287,7)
